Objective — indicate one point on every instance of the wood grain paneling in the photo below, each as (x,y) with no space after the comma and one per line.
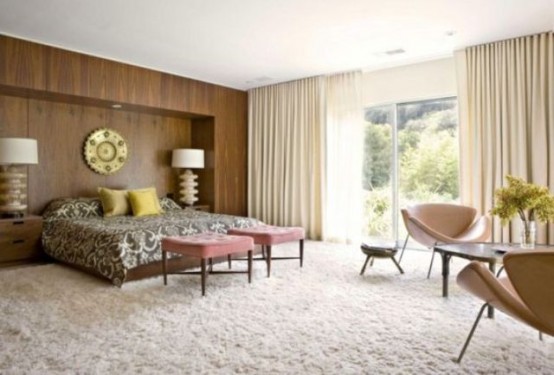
(203,136)
(230,151)
(201,97)
(66,88)
(117,81)
(77,74)
(187,95)
(13,117)
(67,72)
(95,79)
(22,63)
(177,134)
(173,92)
(144,86)
(60,130)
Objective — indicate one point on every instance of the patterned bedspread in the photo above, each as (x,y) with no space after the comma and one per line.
(75,232)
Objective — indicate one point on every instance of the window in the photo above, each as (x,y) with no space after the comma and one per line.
(410,156)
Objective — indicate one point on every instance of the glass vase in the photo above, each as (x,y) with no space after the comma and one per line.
(528,234)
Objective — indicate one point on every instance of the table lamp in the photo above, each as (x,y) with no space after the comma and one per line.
(188,158)
(14,153)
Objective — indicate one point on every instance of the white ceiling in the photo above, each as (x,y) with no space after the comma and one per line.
(250,43)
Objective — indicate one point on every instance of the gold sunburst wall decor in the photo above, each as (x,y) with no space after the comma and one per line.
(105,151)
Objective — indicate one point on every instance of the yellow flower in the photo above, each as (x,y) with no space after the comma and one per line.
(531,202)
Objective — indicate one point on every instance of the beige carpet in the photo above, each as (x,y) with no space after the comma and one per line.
(322,319)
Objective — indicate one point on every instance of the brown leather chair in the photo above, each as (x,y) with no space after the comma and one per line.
(526,293)
(434,223)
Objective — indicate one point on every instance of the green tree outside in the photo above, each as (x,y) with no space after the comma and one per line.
(428,160)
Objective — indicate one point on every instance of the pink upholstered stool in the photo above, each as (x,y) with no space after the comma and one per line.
(207,246)
(269,235)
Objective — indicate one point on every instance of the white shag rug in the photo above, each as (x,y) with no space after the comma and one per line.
(321,319)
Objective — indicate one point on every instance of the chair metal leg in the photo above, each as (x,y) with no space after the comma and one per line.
(365,264)
(431,265)
(403,248)
(540,335)
(471,332)
(371,263)
(397,265)
(229,260)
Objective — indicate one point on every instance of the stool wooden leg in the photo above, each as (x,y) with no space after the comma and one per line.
(365,264)
(164,265)
(203,271)
(211,264)
(268,260)
(249,266)
(263,252)
(229,260)
(301,252)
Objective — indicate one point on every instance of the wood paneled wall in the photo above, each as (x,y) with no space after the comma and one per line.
(59,96)
(61,129)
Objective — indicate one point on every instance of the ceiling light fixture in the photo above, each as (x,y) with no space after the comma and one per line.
(397,51)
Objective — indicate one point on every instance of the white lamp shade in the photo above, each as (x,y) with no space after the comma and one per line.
(187,158)
(18,151)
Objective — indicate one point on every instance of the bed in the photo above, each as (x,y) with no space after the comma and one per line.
(122,248)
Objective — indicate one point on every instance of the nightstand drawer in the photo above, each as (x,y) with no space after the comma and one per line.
(18,249)
(20,228)
(20,239)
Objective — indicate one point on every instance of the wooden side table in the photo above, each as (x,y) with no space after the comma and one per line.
(20,240)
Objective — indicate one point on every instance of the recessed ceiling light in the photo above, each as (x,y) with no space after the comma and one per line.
(450,33)
(116,106)
(397,51)
(258,80)
(263,79)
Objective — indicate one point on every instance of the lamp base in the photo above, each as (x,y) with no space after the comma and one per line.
(188,188)
(12,191)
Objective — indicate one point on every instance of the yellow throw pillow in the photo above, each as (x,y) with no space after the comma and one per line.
(145,202)
(114,202)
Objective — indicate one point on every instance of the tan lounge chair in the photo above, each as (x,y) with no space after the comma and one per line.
(526,293)
(434,223)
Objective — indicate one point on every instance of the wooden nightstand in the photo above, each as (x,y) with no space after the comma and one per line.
(20,240)
(200,207)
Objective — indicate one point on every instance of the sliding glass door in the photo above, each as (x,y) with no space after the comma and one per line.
(410,156)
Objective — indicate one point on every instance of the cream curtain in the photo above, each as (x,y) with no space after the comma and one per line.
(344,128)
(305,155)
(506,100)
(285,154)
